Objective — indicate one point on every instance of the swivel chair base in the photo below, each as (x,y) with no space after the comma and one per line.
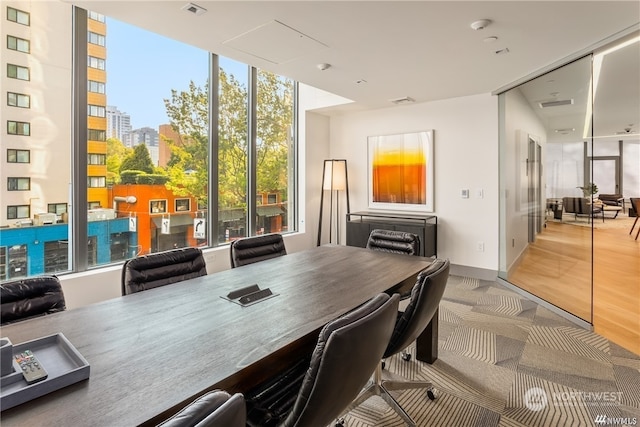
(380,387)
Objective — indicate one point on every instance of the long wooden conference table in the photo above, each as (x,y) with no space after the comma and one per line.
(154,351)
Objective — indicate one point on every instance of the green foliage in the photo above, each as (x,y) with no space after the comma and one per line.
(139,159)
(188,114)
(141,177)
(589,190)
(116,152)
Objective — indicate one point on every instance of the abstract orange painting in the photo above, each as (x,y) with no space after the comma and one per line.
(401,171)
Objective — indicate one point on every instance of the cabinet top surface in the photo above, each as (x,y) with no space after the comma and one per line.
(399,215)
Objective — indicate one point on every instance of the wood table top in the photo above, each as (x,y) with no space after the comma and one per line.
(153,351)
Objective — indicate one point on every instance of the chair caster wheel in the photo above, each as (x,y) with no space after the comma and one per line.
(406,356)
(431,393)
(340,423)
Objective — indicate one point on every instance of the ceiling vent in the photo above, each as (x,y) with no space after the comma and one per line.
(403,100)
(555,103)
(194,8)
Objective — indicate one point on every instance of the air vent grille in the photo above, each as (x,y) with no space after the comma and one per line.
(555,103)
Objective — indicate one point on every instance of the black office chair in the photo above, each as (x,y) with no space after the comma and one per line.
(214,409)
(425,299)
(635,204)
(30,297)
(162,268)
(399,242)
(257,248)
(347,352)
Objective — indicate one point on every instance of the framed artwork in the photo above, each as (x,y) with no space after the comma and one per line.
(401,171)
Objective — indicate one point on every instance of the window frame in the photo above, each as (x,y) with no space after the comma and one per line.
(15,127)
(12,11)
(157,204)
(19,44)
(16,100)
(180,201)
(55,207)
(101,181)
(15,152)
(16,183)
(17,208)
(17,68)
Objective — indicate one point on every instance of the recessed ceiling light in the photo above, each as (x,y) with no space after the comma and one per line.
(323,66)
(361,81)
(194,8)
(502,51)
(490,39)
(480,24)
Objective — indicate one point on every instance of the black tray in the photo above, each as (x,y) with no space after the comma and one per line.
(62,361)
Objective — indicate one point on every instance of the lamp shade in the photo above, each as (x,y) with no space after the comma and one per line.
(335,175)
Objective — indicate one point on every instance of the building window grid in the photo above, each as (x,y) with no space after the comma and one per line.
(96,159)
(18,44)
(95,16)
(97,111)
(97,63)
(18,16)
(96,181)
(18,156)
(95,38)
(18,128)
(97,135)
(96,87)
(18,211)
(18,72)
(57,208)
(18,184)
(18,100)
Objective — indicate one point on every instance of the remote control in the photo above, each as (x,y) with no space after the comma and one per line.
(31,368)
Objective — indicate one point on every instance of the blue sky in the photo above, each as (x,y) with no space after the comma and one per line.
(143,67)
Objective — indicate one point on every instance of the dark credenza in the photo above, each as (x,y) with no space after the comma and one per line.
(360,225)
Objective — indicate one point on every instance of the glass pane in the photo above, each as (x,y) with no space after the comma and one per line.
(232,151)
(275,150)
(156,145)
(546,220)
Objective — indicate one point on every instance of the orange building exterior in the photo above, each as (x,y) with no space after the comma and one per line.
(150,205)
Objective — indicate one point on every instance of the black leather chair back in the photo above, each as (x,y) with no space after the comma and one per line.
(425,299)
(214,409)
(162,268)
(399,242)
(346,354)
(258,248)
(31,297)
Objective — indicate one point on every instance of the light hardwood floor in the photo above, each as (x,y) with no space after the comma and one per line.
(557,267)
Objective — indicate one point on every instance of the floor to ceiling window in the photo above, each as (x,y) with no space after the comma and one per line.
(570,152)
(132,141)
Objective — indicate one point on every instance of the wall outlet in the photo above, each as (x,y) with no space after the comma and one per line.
(480,246)
(480,193)
(464,193)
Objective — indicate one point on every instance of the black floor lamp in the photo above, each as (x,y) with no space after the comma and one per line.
(334,180)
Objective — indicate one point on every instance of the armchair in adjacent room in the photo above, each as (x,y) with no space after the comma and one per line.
(581,206)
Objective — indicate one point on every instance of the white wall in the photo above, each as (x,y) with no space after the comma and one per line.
(466,157)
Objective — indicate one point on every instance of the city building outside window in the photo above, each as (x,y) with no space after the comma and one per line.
(18,100)
(18,72)
(18,128)
(18,16)
(18,156)
(18,184)
(16,43)
(17,212)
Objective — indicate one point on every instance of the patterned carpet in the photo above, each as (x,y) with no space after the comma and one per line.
(505,361)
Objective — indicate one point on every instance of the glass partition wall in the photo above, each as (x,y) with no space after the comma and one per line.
(569,156)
